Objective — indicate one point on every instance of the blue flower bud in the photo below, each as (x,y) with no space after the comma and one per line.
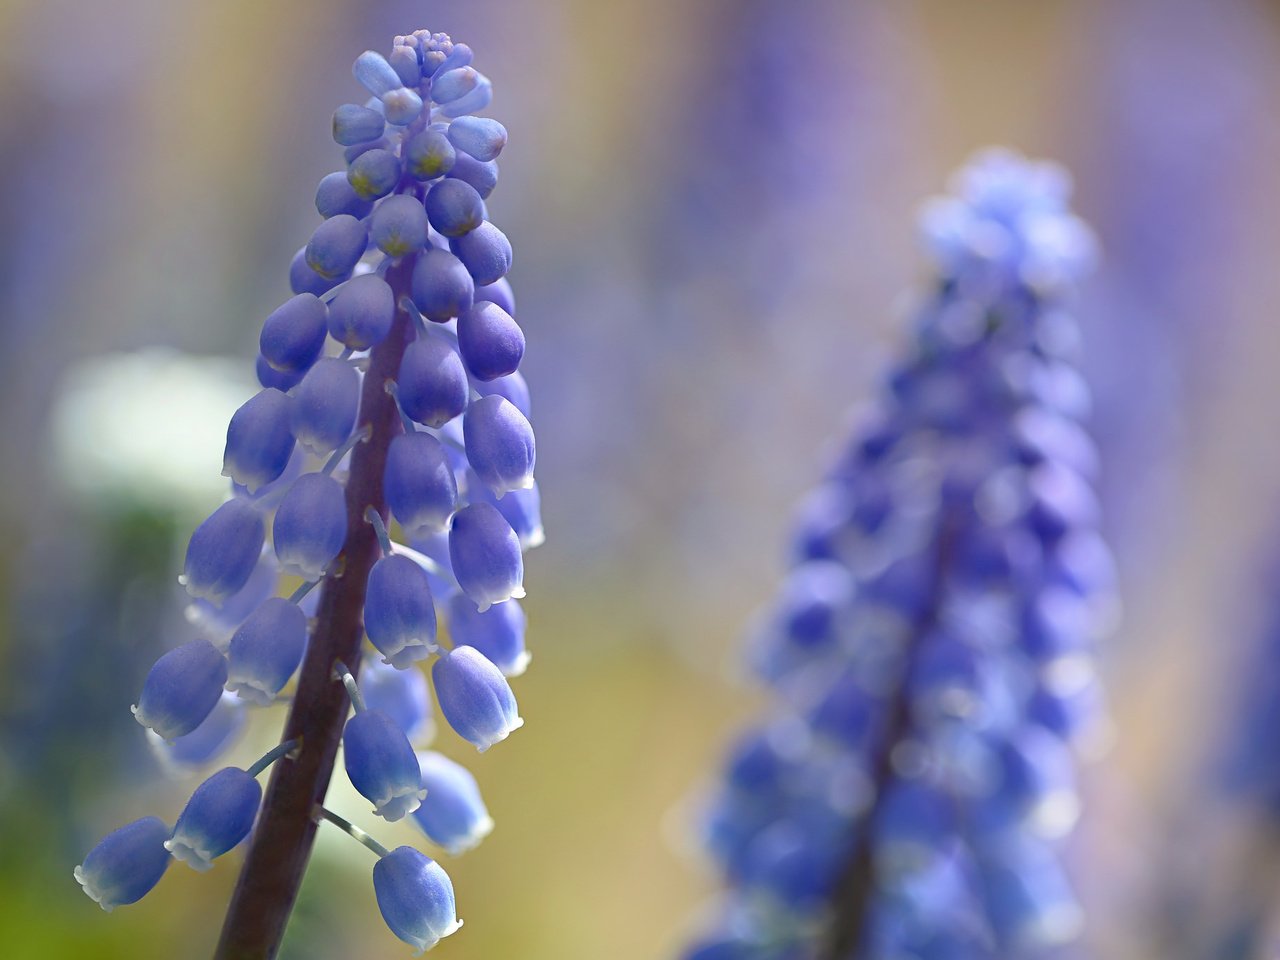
(402,695)
(372,72)
(336,246)
(520,508)
(374,173)
(485,251)
(475,697)
(302,279)
(217,623)
(266,650)
(362,313)
(460,91)
(442,287)
(404,61)
(215,735)
(354,124)
(310,526)
(481,175)
(453,813)
(325,405)
(399,226)
(293,335)
(485,554)
(490,341)
(267,496)
(399,616)
(181,689)
(481,137)
(223,551)
(125,864)
(335,196)
(428,155)
(432,382)
(500,445)
(454,207)
(402,105)
(459,56)
(381,765)
(513,387)
(419,483)
(218,816)
(269,376)
(259,440)
(415,897)
(498,292)
(498,633)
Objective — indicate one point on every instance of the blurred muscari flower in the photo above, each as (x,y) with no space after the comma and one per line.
(390,389)
(930,654)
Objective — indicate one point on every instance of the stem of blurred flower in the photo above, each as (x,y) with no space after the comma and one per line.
(856,886)
(286,829)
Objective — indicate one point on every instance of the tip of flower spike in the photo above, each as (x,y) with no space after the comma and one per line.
(516,724)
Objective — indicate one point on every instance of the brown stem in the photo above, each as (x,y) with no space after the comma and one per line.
(281,844)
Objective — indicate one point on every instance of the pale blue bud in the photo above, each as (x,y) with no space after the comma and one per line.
(218,816)
(181,689)
(475,697)
(381,765)
(399,616)
(415,896)
(125,864)
(485,554)
(266,650)
(453,814)
(310,526)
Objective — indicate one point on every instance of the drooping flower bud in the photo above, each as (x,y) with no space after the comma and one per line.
(310,526)
(181,689)
(399,615)
(126,864)
(218,816)
(402,695)
(485,554)
(325,405)
(266,650)
(453,813)
(223,551)
(381,765)
(475,697)
(498,633)
(500,444)
(415,897)
(259,440)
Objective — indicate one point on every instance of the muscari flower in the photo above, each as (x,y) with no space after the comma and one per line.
(405,273)
(930,645)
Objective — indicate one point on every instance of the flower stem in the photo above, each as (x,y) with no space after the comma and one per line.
(271,756)
(282,841)
(349,828)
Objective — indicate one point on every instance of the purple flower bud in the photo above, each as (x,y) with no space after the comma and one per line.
(432,383)
(402,106)
(482,176)
(293,335)
(485,252)
(479,136)
(361,314)
(372,72)
(325,405)
(181,689)
(381,765)
(442,287)
(374,174)
(419,482)
(491,342)
(498,633)
(500,445)
(454,207)
(399,615)
(259,440)
(335,197)
(266,650)
(302,279)
(399,226)
(475,697)
(125,864)
(218,816)
(429,154)
(415,897)
(453,814)
(224,551)
(336,246)
(485,554)
(354,124)
(310,527)
(461,91)
(402,695)
(404,61)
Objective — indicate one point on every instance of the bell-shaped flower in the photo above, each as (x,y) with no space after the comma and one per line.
(485,555)
(499,443)
(453,813)
(125,864)
(325,405)
(522,509)
(491,342)
(432,383)
(259,440)
(361,314)
(419,483)
(218,816)
(415,897)
(442,287)
(181,689)
(266,650)
(223,551)
(293,334)
(381,765)
(485,252)
(481,137)
(399,615)
(402,695)
(475,697)
(399,225)
(498,633)
(310,527)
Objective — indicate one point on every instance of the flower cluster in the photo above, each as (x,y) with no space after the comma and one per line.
(930,653)
(390,392)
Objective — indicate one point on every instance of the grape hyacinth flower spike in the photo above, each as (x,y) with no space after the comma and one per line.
(391,394)
(930,654)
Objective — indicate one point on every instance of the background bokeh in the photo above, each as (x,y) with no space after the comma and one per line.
(712,205)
